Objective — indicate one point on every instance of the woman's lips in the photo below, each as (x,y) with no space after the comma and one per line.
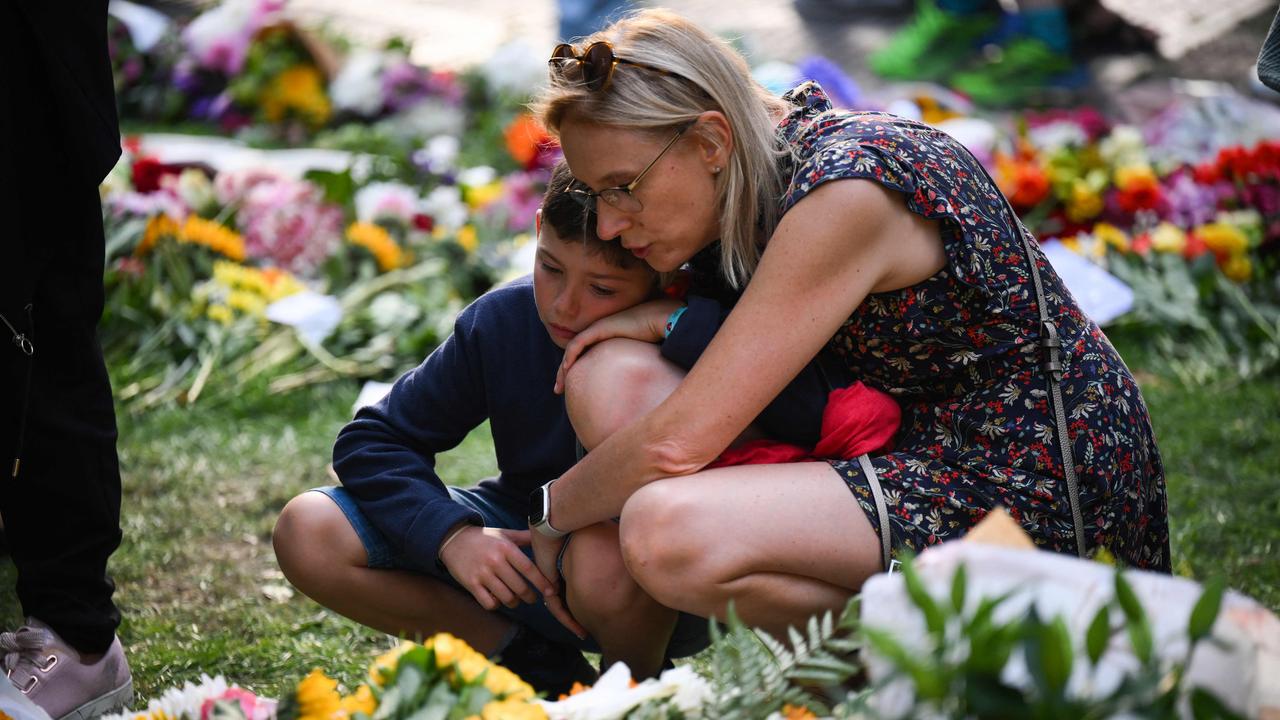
(562,331)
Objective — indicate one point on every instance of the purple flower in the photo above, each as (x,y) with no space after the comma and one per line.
(840,88)
(1189,203)
(404,85)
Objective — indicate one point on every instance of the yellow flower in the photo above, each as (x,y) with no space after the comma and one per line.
(505,684)
(1132,175)
(471,666)
(247,302)
(220,313)
(385,664)
(375,238)
(468,239)
(158,226)
(797,712)
(318,697)
(512,710)
(1111,236)
(361,701)
(1072,244)
(215,236)
(1238,268)
(448,649)
(1168,238)
(1223,239)
(1084,202)
(482,195)
(299,89)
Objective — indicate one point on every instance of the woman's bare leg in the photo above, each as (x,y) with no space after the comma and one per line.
(782,542)
(322,556)
(629,625)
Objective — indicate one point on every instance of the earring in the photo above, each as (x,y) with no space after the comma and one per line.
(715,170)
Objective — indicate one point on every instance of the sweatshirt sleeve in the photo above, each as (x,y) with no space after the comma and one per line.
(795,415)
(385,457)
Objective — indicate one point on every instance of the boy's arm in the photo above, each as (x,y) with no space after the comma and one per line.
(386,456)
(795,415)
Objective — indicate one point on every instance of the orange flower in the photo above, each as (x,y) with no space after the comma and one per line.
(797,712)
(379,243)
(1139,188)
(1023,180)
(158,226)
(526,138)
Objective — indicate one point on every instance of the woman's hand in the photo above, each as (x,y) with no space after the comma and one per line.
(646,322)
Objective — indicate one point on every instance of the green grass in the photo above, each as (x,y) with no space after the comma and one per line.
(203,486)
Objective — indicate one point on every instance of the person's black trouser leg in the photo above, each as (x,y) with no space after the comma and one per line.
(62,512)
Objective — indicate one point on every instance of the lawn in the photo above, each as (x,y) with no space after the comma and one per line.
(201,593)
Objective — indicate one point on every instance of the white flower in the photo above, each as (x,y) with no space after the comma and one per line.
(390,311)
(386,200)
(445,206)
(358,85)
(429,117)
(1124,147)
(196,190)
(1055,135)
(477,176)
(612,697)
(439,154)
(516,69)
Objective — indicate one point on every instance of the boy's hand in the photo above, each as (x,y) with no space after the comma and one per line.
(490,565)
(646,322)
(545,552)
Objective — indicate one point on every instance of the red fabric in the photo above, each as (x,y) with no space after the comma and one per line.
(857,420)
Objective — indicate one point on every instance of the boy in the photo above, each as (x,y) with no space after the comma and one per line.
(394,549)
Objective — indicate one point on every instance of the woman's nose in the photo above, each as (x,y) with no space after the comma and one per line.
(610,223)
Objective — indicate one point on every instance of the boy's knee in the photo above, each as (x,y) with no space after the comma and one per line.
(613,384)
(596,578)
(310,534)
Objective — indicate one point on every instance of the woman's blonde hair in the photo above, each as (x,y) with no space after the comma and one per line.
(713,77)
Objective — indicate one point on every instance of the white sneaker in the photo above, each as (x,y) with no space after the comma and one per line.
(51,674)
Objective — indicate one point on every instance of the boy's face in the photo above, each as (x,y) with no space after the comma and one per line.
(574,287)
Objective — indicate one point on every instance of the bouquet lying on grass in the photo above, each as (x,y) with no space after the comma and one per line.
(970,630)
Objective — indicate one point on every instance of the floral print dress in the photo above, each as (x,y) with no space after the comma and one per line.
(959,352)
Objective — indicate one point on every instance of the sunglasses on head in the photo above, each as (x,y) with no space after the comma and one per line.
(594,66)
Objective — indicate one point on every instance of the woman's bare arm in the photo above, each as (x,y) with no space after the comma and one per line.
(844,240)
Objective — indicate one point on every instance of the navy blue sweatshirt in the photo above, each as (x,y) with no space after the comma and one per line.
(500,364)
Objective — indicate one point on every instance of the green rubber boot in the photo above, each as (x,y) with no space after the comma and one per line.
(1018,72)
(933,45)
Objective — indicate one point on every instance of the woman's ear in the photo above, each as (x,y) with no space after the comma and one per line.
(715,140)
(537,223)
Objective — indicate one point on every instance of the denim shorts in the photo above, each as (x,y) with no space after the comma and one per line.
(691,633)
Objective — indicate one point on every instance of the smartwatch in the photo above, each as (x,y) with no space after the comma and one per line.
(540,512)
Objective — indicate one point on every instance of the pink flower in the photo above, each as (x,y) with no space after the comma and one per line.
(287,224)
(254,708)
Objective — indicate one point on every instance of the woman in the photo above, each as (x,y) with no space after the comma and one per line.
(878,239)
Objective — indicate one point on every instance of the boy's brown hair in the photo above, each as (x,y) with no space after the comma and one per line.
(572,221)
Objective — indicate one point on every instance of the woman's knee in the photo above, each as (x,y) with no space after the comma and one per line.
(614,383)
(596,578)
(658,544)
(313,539)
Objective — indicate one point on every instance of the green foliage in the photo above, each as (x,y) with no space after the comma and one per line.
(959,671)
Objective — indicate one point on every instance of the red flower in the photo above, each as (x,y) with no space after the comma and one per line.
(146,173)
(1141,244)
(424,222)
(1195,247)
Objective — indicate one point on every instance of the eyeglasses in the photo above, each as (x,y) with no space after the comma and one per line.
(594,65)
(622,197)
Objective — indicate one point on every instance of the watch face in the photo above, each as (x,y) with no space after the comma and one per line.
(537,509)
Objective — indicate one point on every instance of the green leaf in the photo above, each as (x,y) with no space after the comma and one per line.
(1206,706)
(1206,610)
(934,620)
(1056,654)
(1099,634)
(959,581)
(1140,638)
(1128,599)
(409,680)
